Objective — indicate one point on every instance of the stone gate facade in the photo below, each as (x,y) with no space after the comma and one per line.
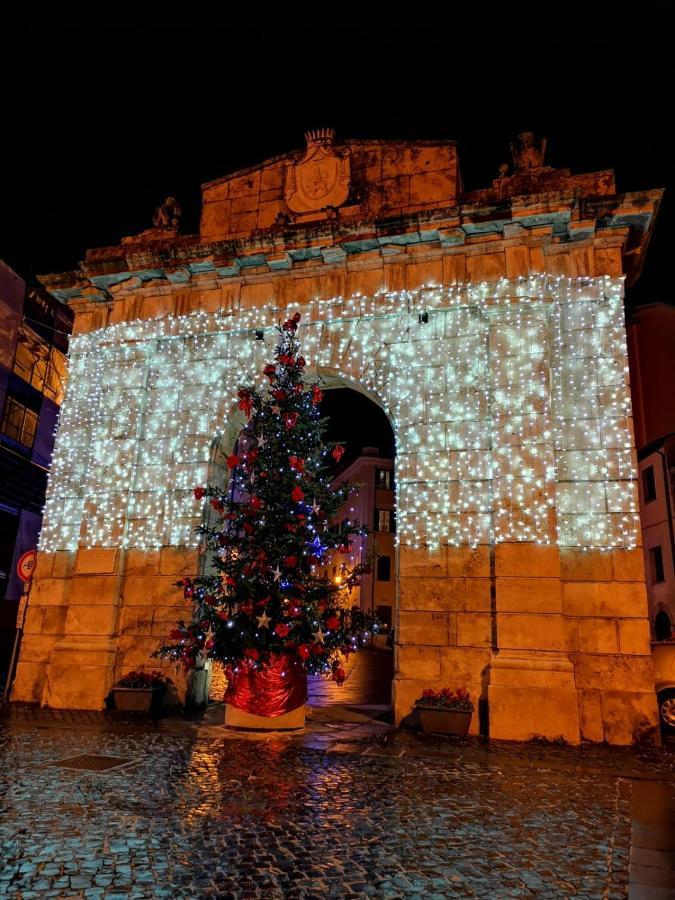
(487,324)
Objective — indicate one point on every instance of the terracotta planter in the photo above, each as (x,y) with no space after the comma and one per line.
(138,700)
(444,721)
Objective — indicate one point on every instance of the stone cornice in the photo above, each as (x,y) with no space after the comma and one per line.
(554,218)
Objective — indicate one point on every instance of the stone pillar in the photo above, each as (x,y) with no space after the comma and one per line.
(531,689)
(443,627)
(95,615)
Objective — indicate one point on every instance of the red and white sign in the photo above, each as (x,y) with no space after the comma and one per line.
(26,565)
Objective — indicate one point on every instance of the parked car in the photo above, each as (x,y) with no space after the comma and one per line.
(663,654)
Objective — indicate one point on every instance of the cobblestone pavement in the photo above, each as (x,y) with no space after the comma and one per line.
(350,808)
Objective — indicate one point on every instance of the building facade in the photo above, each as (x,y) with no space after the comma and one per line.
(489,326)
(34,329)
(370,503)
(651,351)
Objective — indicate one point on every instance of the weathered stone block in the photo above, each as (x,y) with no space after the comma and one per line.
(597,636)
(516,594)
(628,565)
(427,628)
(151,590)
(417,561)
(474,629)
(531,560)
(478,596)
(136,620)
(29,681)
(96,560)
(634,636)
(142,562)
(94,589)
(613,599)
(627,714)
(463,665)
(90,620)
(522,713)
(49,592)
(590,716)
(593,671)
(418,662)
(64,563)
(178,561)
(585,565)
(470,562)
(432,594)
(529,632)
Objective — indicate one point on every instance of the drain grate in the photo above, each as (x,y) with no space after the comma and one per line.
(90,762)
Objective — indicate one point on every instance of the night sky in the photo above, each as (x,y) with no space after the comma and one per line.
(101,123)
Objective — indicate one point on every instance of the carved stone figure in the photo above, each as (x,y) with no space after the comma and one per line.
(168,214)
(527,152)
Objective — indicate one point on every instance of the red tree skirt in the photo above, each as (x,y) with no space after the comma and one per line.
(270,691)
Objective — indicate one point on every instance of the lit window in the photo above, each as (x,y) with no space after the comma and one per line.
(19,423)
(383,479)
(656,558)
(648,484)
(384,520)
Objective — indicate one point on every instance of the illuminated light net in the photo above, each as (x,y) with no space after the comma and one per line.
(510,407)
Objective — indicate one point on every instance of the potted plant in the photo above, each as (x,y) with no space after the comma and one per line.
(445,711)
(140,691)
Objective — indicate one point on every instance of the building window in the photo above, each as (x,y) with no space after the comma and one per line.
(648,484)
(19,423)
(662,627)
(383,479)
(384,568)
(384,520)
(656,559)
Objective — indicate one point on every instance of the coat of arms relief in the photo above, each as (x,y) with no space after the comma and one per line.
(321,178)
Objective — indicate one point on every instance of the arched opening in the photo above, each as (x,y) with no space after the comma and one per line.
(362,427)
(662,626)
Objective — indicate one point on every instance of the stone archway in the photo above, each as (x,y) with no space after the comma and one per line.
(516,505)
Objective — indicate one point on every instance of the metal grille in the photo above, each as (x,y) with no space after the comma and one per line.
(93,763)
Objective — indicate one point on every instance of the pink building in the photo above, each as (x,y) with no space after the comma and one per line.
(651,348)
(371,504)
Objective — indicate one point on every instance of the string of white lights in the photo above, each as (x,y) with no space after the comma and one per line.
(509,400)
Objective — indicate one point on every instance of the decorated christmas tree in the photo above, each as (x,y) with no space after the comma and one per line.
(268,611)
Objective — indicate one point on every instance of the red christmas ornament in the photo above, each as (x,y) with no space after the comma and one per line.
(232,461)
(256,503)
(317,395)
(291,324)
(332,623)
(291,562)
(290,419)
(282,630)
(338,453)
(245,401)
(279,394)
(297,494)
(199,493)
(248,528)
(304,650)
(296,463)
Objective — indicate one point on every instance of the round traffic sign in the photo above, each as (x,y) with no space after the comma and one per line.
(26,565)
